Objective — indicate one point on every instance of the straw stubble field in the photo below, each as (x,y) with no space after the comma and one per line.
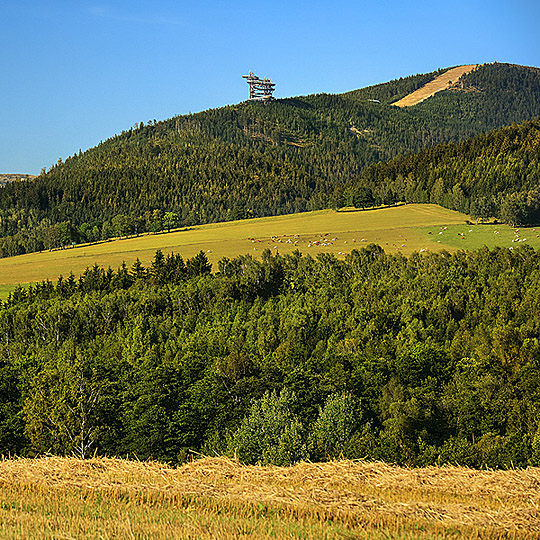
(219,498)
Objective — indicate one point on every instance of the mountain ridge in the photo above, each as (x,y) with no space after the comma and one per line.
(252,159)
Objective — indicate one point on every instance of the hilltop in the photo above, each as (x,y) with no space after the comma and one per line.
(252,159)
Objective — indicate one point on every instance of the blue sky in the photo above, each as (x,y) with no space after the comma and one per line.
(77,72)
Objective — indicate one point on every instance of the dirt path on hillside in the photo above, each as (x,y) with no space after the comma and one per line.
(439,83)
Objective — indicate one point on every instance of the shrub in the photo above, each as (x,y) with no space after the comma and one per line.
(333,430)
(270,433)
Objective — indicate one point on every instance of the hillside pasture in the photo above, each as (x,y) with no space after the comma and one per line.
(99,498)
(326,231)
(491,235)
(399,229)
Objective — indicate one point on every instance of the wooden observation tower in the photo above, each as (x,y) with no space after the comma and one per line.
(259,89)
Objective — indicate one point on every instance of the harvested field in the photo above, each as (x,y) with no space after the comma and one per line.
(219,498)
(442,82)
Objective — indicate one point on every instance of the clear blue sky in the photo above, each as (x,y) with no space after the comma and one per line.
(76,72)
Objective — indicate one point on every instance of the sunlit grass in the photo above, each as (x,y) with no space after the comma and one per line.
(468,237)
(401,229)
(323,231)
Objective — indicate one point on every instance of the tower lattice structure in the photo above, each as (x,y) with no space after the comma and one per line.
(259,89)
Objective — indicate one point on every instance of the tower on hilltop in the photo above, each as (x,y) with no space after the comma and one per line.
(259,89)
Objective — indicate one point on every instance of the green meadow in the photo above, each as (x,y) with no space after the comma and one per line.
(491,235)
(405,228)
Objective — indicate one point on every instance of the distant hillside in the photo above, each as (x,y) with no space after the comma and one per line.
(493,174)
(252,159)
(5,178)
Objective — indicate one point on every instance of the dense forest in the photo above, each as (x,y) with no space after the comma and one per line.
(496,174)
(421,360)
(254,159)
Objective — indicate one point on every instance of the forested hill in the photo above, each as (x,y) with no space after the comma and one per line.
(493,174)
(426,360)
(251,159)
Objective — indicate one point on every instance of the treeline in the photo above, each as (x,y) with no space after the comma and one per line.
(496,174)
(46,236)
(421,360)
(251,159)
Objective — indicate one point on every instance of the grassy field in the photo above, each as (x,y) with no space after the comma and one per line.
(395,228)
(218,498)
(406,228)
(476,236)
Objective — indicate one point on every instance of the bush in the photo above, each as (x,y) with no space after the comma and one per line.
(270,433)
(333,430)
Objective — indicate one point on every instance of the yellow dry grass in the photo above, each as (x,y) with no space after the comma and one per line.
(394,228)
(219,498)
(442,82)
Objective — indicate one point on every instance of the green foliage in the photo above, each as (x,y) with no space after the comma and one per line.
(12,424)
(491,175)
(61,406)
(535,457)
(271,432)
(441,350)
(332,433)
